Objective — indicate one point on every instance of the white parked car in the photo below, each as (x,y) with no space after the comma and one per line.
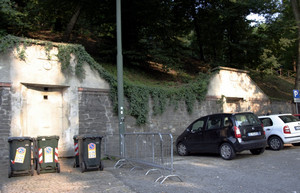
(281,129)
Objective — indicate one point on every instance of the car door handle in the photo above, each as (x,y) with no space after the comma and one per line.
(268,129)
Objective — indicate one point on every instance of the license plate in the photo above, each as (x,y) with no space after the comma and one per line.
(297,127)
(254,133)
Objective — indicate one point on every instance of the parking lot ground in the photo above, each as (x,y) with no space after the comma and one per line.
(273,171)
(68,180)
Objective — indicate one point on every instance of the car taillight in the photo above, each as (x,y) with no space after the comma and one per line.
(262,125)
(286,130)
(237,132)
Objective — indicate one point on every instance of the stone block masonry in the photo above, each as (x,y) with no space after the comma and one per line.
(96,112)
(97,116)
(5,122)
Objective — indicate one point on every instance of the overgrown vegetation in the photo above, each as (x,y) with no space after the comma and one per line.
(185,36)
(138,95)
(275,86)
(192,36)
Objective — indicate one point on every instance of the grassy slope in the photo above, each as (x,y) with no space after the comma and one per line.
(274,86)
(150,77)
(277,88)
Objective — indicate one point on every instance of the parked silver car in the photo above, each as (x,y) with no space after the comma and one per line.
(281,129)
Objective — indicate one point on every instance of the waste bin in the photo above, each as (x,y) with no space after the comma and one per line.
(47,147)
(76,161)
(20,156)
(90,152)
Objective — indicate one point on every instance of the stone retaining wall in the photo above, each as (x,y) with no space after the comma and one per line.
(5,122)
(96,115)
(96,112)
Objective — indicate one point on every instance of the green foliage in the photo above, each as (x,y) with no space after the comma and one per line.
(14,17)
(179,34)
(277,41)
(138,98)
(81,56)
(269,61)
(183,35)
(48,48)
(137,95)
(64,56)
(9,42)
(159,98)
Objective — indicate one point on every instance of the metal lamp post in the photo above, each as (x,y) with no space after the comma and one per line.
(120,78)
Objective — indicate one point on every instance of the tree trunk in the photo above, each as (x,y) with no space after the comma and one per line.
(296,11)
(72,23)
(198,31)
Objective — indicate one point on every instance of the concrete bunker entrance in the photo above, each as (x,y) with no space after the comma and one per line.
(43,111)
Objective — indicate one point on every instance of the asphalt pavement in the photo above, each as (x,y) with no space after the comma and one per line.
(273,171)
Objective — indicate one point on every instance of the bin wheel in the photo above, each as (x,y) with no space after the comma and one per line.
(32,170)
(9,172)
(35,161)
(38,169)
(57,167)
(101,167)
(82,167)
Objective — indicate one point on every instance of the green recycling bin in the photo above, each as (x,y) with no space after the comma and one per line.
(76,161)
(47,149)
(90,152)
(20,156)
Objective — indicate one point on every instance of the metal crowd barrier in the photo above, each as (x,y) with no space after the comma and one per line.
(153,150)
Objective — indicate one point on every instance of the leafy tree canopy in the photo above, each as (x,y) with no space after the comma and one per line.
(189,35)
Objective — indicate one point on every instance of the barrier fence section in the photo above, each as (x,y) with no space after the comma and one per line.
(154,150)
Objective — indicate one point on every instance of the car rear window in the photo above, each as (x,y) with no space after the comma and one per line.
(246,119)
(267,122)
(288,118)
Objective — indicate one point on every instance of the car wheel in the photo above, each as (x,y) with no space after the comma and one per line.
(182,149)
(226,151)
(275,143)
(257,151)
(296,144)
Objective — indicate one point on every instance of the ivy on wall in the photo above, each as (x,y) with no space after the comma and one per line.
(137,95)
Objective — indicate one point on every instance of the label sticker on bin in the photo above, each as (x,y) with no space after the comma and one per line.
(20,155)
(48,154)
(91,150)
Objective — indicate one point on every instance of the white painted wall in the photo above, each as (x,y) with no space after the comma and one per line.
(236,86)
(37,70)
(229,82)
